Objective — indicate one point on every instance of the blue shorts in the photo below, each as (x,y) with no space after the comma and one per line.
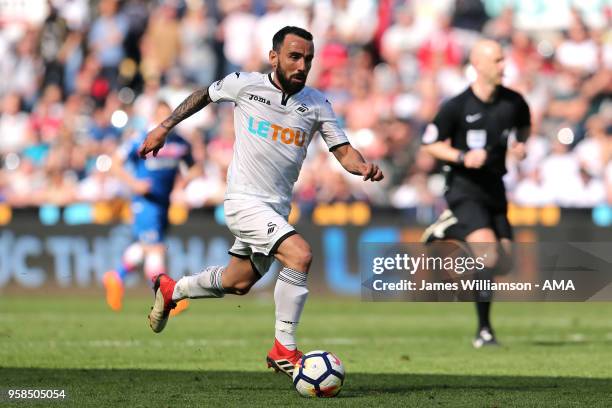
(150,222)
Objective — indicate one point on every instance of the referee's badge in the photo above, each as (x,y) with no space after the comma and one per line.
(476,138)
(431,134)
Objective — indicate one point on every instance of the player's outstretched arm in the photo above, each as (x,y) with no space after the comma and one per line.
(157,137)
(353,162)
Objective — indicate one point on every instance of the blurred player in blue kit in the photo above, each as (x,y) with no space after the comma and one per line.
(151,183)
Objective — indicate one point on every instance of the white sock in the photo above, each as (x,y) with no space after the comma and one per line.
(290,295)
(206,284)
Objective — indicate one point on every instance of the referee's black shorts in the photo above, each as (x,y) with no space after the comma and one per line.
(474,214)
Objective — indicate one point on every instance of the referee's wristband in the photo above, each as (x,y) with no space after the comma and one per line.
(461,158)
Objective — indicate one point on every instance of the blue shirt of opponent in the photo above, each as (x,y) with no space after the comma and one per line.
(159,171)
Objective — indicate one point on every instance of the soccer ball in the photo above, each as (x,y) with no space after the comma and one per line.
(318,374)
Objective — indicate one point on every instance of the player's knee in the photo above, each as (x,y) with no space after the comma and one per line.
(490,258)
(133,255)
(154,264)
(303,258)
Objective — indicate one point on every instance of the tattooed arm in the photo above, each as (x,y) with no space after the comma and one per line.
(157,137)
(193,103)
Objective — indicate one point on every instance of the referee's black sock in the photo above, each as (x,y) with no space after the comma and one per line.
(483,309)
(483,300)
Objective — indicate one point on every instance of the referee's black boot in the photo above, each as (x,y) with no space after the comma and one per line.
(484,337)
(437,230)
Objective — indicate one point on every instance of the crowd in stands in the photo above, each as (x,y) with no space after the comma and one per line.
(79,78)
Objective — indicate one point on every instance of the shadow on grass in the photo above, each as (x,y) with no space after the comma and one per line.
(153,388)
(565,343)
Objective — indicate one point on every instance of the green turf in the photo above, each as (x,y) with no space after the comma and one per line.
(396,354)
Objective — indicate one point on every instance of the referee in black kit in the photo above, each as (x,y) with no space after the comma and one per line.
(472,132)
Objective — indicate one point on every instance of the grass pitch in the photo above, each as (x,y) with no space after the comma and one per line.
(395,354)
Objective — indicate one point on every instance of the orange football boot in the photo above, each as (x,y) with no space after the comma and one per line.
(114,290)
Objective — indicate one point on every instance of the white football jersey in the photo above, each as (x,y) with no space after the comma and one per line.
(273,131)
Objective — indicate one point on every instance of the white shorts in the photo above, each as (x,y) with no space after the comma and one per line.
(259,229)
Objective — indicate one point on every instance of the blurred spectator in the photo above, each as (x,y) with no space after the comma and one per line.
(74,12)
(413,192)
(161,41)
(333,57)
(592,191)
(197,57)
(353,20)
(501,27)
(563,178)
(47,116)
(98,186)
(530,191)
(578,51)
(441,49)
(360,111)
(592,152)
(568,105)
(25,183)
(402,37)
(335,188)
(145,103)
(521,57)
(77,117)
(101,127)
(469,15)
(52,37)
(400,151)
(221,147)
(14,126)
(24,68)
(137,14)
(17,14)
(71,56)
(277,15)
(106,37)
(237,30)
(537,148)
(60,189)
(427,14)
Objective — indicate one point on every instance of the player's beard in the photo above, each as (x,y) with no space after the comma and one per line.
(287,85)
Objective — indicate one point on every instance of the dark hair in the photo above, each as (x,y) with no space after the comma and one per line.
(279,37)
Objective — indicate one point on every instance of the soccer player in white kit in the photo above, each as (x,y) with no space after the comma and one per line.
(275,118)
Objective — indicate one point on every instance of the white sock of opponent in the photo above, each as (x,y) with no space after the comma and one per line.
(290,295)
(206,284)
(154,265)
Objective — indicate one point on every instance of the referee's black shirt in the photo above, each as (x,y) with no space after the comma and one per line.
(471,123)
